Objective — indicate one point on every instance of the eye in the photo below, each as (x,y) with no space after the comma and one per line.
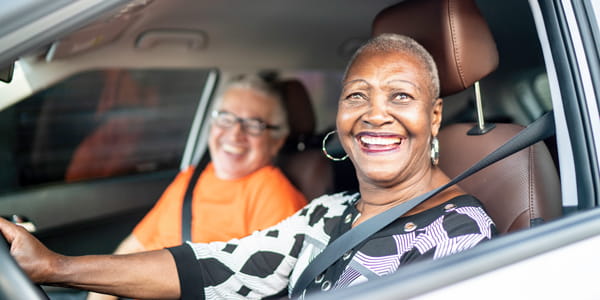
(224,119)
(401,97)
(254,125)
(356,96)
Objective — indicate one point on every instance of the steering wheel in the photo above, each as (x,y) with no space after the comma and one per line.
(14,284)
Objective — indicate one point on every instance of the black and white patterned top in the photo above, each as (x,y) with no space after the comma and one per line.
(269,261)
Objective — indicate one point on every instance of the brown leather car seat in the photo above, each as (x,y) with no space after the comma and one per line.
(301,159)
(520,190)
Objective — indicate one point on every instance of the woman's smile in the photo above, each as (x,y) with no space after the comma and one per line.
(377,142)
(232,149)
(387,115)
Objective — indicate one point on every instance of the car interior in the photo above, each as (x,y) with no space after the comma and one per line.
(101,119)
(518,192)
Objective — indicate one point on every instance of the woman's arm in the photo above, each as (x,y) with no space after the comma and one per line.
(129,245)
(142,275)
(146,275)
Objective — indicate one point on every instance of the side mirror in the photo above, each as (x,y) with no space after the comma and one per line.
(6,73)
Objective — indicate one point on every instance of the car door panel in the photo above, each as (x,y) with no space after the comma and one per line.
(87,217)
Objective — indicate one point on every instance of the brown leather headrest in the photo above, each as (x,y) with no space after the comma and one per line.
(301,116)
(453,31)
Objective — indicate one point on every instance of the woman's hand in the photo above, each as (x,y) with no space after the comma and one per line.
(32,256)
(142,275)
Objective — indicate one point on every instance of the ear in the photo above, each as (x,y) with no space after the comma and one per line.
(436,116)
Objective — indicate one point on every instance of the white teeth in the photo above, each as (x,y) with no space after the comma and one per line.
(232,149)
(374,140)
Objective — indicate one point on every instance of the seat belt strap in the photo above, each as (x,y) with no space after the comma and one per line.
(537,131)
(186,210)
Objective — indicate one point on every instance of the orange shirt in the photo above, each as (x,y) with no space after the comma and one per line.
(221,209)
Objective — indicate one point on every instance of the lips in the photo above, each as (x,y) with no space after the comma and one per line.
(379,142)
(232,149)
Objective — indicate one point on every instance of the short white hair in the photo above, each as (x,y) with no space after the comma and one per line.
(258,84)
(391,42)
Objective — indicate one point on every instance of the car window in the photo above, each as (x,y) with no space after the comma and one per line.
(99,124)
(324,88)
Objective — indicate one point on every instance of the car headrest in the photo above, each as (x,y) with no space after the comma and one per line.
(453,31)
(301,116)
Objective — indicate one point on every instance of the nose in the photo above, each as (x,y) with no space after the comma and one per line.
(378,114)
(237,130)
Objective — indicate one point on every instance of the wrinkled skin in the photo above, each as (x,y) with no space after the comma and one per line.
(386,119)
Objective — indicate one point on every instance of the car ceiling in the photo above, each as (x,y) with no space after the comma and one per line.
(240,35)
(228,34)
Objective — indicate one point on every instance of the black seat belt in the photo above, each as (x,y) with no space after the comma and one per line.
(186,210)
(537,131)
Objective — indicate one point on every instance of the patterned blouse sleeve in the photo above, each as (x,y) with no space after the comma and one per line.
(249,268)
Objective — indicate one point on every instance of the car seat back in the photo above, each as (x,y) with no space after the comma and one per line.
(519,191)
(301,159)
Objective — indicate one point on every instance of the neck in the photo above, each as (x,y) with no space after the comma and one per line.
(376,199)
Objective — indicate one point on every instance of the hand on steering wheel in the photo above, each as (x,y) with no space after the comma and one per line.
(14,284)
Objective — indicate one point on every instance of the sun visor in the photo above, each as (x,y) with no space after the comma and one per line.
(88,38)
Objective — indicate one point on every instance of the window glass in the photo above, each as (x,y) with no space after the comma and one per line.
(541,88)
(324,88)
(97,124)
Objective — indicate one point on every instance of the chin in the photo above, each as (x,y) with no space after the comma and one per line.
(384,177)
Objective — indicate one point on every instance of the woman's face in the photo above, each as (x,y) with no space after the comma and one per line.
(386,118)
(234,152)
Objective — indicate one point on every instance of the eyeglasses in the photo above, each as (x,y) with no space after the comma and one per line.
(225,119)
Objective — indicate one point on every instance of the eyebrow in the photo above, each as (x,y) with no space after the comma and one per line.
(388,82)
(248,118)
(354,81)
(405,81)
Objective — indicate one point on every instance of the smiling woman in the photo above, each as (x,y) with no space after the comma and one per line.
(388,116)
(311,40)
(387,98)
(238,150)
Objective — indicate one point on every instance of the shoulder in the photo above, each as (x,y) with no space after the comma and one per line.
(464,204)
(330,205)
(187,173)
(340,198)
(181,181)
(270,179)
(269,172)
(461,215)
(466,214)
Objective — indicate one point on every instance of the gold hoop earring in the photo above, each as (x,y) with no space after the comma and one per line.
(435,151)
(325,150)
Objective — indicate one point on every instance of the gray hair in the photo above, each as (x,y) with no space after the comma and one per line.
(256,83)
(391,42)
